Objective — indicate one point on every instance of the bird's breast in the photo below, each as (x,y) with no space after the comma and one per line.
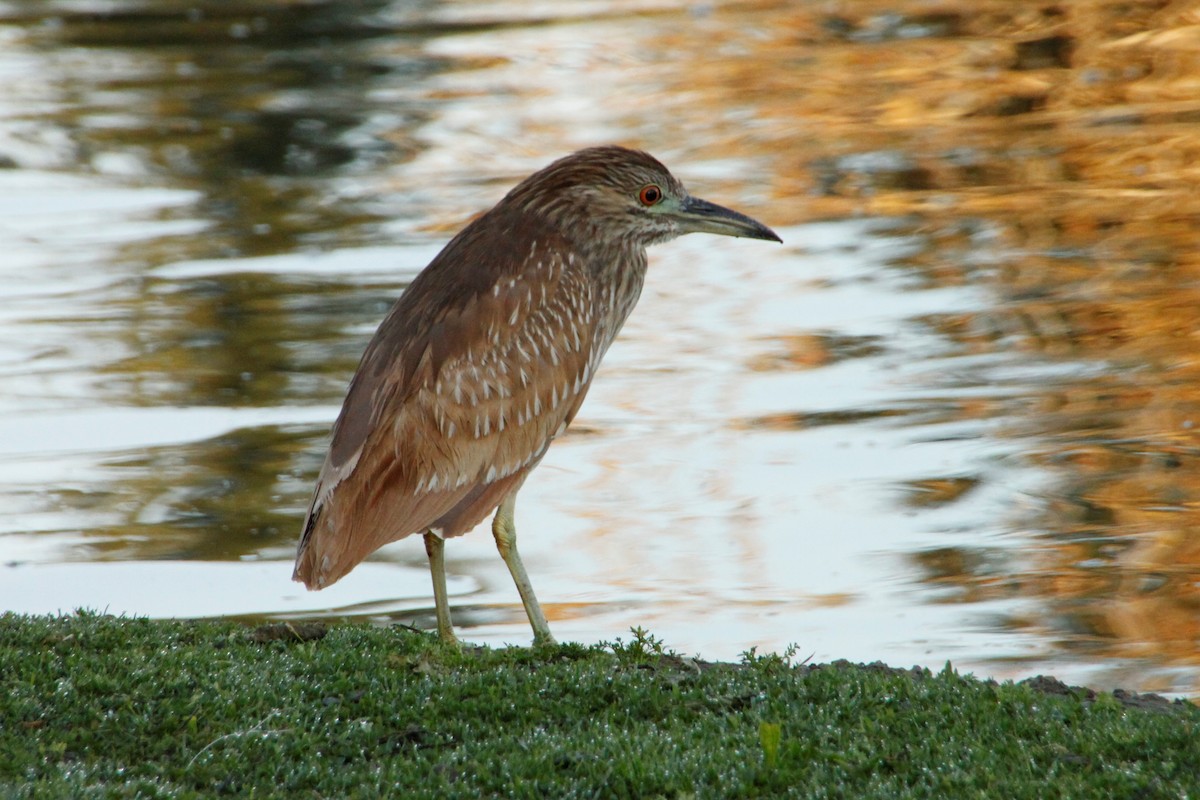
(515,384)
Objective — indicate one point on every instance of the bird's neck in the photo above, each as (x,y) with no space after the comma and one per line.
(617,275)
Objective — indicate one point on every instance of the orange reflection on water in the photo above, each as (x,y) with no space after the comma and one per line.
(1068,135)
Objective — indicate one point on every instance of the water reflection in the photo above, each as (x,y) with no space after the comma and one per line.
(1070,134)
(957,420)
(256,106)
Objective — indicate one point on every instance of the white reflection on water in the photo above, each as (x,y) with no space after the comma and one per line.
(192,589)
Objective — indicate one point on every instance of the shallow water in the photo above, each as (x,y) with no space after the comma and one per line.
(952,418)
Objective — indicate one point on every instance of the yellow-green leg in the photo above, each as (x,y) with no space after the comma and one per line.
(505,532)
(435,549)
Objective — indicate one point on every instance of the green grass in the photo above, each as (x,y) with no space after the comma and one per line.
(94,706)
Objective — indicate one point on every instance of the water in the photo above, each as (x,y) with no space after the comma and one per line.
(951,418)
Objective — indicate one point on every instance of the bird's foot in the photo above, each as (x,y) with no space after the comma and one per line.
(544,639)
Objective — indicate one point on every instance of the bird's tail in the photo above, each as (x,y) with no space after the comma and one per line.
(320,561)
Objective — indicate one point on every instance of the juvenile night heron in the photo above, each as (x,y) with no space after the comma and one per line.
(485,359)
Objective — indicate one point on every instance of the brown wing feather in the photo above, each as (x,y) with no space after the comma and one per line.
(482,362)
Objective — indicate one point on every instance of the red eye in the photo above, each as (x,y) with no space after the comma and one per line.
(649,195)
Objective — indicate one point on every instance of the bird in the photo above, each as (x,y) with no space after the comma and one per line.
(484,360)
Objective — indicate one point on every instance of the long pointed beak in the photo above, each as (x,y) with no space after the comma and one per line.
(700,216)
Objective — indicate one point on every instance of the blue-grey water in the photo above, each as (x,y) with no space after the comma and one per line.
(951,418)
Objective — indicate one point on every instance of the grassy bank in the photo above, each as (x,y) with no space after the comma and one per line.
(100,707)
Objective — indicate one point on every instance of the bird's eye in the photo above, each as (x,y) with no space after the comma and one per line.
(649,195)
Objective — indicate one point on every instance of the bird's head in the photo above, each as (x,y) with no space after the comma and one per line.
(613,193)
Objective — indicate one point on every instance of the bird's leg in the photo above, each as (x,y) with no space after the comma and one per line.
(435,548)
(505,532)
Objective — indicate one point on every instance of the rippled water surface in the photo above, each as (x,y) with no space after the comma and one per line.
(953,417)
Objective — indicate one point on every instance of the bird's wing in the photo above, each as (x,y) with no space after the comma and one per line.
(482,362)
